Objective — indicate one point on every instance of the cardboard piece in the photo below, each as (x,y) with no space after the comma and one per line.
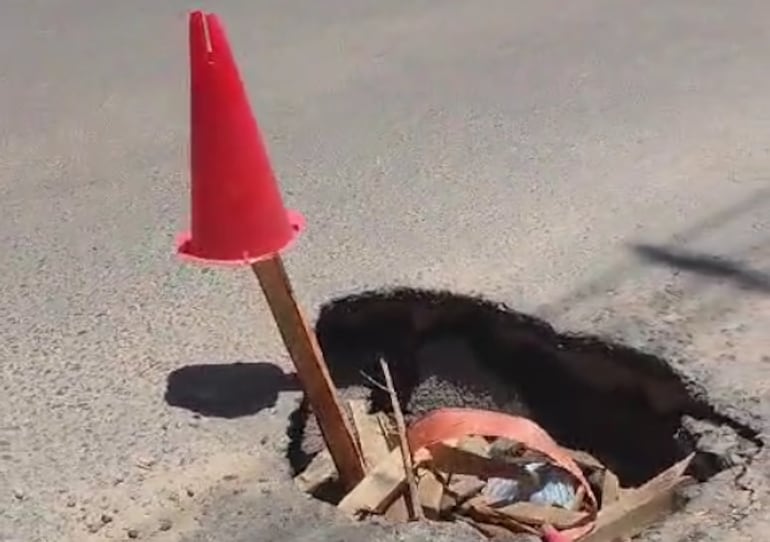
(641,507)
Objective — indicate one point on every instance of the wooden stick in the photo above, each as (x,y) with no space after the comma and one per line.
(301,342)
(406,454)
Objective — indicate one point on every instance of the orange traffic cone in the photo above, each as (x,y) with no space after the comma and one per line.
(238,216)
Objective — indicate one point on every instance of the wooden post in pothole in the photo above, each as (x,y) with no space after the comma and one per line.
(312,371)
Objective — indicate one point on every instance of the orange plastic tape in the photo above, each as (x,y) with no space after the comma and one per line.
(455,423)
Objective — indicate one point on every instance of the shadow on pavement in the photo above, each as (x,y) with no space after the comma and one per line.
(707,265)
(227,390)
(613,277)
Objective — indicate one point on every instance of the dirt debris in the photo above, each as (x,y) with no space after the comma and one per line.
(632,395)
(500,486)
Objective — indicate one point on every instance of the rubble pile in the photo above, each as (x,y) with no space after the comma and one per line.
(500,474)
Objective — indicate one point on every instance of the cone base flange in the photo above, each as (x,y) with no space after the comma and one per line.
(188,252)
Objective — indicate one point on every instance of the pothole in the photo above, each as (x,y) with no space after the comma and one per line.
(629,409)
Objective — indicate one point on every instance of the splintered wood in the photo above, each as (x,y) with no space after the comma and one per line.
(501,487)
(415,510)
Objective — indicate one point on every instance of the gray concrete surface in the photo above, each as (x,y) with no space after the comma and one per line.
(523,150)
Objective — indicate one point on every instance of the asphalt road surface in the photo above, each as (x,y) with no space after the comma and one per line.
(601,163)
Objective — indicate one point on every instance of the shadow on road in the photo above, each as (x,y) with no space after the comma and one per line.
(707,265)
(613,277)
(227,390)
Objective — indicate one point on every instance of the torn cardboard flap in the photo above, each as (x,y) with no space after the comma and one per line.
(637,509)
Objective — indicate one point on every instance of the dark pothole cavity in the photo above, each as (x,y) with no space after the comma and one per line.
(629,409)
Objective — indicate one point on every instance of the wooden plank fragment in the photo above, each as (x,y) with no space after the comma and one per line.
(469,458)
(378,489)
(388,428)
(584,459)
(535,514)
(374,447)
(406,453)
(478,510)
(476,445)
(430,491)
(313,374)
(610,488)
(398,511)
(624,520)
(464,486)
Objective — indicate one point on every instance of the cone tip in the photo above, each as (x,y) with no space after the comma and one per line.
(207,32)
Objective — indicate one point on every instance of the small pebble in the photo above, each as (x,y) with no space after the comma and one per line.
(264,440)
(165,524)
(145,462)
(71,502)
(172,496)
(190,492)
(18,494)
(133,533)
(106,518)
(230,477)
